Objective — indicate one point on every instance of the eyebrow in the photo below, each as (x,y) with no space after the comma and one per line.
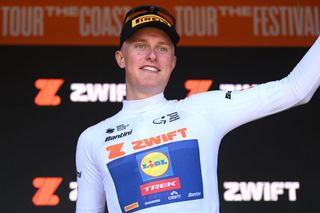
(133,40)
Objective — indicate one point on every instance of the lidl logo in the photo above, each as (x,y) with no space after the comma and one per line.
(155,164)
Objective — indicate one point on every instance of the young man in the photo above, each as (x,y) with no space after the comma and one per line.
(157,155)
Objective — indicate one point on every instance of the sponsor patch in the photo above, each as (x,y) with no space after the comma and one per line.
(131,206)
(161,175)
(148,18)
(155,164)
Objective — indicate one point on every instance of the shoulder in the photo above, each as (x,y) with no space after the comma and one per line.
(93,134)
(204,98)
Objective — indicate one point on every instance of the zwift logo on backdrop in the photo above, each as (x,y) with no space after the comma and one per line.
(48,89)
(47,191)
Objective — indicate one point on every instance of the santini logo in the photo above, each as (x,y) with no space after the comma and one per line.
(123,134)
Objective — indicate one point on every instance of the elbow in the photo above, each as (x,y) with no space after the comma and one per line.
(303,100)
(299,94)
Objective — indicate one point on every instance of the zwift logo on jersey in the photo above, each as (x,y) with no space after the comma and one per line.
(155,164)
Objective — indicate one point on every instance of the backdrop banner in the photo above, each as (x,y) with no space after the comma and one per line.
(59,76)
(200,23)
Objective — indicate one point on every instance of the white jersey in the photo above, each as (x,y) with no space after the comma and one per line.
(157,155)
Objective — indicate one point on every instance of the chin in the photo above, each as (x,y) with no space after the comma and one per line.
(150,84)
(152,87)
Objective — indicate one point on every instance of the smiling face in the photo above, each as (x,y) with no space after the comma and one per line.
(148,58)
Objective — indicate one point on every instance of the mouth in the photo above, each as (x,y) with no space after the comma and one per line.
(150,68)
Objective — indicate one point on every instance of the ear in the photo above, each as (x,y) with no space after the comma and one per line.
(120,59)
(174,62)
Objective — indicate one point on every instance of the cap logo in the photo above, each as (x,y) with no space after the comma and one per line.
(148,18)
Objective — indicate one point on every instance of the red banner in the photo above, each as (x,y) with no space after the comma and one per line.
(200,23)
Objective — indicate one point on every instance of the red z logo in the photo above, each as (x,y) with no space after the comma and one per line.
(48,90)
(46,188)
(197,86)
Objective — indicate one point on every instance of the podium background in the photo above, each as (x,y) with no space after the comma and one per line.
(40,141)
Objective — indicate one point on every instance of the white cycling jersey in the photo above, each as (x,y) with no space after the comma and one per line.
(157,155)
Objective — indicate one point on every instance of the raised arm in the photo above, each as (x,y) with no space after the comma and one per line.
(269,98)
(230,110)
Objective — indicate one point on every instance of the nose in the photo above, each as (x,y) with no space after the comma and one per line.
(151,55)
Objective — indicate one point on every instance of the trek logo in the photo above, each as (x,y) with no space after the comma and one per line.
(123,134)
(48,89)
(46,188)
(168,118)
(160,186)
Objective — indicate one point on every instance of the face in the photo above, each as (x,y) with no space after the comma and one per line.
(148,58)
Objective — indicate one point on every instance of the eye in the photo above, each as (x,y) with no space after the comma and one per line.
(163,49)
(140,46)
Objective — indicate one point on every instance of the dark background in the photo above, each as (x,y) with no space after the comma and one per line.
(40,141)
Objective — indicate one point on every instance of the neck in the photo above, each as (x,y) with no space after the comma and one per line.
(139,95)
(143,105)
